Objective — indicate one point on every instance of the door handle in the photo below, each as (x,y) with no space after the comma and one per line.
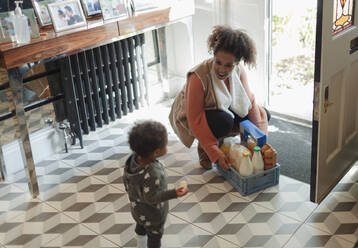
(326,103)
(353,45)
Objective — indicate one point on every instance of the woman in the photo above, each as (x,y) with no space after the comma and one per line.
(62,18)
(217,97)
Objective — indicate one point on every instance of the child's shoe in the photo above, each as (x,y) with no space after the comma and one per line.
(141,241)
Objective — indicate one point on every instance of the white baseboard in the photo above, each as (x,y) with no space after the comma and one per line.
(44,143)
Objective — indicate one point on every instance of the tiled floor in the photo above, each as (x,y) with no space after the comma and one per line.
(83,203)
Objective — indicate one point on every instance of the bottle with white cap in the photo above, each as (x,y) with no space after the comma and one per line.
(257,160)
(245,168)
(21,25)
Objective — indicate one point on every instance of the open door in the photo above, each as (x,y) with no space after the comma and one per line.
(335,114)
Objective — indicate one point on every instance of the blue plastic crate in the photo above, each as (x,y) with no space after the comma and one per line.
(253,183)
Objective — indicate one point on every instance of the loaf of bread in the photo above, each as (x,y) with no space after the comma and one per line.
(235,154)
(183,184)
(269,156)
(250,145)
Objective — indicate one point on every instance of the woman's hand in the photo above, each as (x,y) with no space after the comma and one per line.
(224,162)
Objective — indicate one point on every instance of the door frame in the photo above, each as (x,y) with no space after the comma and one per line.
(315,113)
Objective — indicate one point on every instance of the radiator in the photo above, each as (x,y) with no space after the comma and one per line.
(104,83)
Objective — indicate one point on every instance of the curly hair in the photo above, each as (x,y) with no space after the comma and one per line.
(147,136)
(235,41)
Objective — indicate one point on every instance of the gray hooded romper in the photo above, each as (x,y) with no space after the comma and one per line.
(148,193)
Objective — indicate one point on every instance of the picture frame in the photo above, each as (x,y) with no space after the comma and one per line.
(7,30)
(67,15)
(35,31)
(144,5)
(42,12)
(113,9)
(91,7)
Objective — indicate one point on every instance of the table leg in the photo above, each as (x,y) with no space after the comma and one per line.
(17,103)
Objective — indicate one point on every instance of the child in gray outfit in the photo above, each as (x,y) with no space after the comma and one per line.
(146,184)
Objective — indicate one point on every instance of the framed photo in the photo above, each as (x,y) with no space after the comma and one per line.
(144,5)
(7,29)
(113,9)
(30,13)
(42,12)
(66,15)
(91,7)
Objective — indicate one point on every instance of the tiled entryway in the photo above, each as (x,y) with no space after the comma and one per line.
(83,202)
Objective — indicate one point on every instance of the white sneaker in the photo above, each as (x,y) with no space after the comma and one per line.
(141,241)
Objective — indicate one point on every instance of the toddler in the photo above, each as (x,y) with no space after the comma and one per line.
(146,184)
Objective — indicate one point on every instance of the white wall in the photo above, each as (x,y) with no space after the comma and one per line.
(203,22)
(250,15)
(186,43)
(180,47)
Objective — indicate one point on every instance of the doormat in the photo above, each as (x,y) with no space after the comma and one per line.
(293,145)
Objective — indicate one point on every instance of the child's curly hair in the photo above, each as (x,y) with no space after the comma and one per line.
(236,41)
(147,136)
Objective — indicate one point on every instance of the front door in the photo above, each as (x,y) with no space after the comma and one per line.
(335,114)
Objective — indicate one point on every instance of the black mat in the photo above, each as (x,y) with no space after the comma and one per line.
(293,145)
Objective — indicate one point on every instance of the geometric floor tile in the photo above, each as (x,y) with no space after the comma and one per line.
(346,189)
(185,166)
(84,199)
(74,157)
(80,236)
(351,176)
(111,139)
(113,222)
(338,216)
(179,233)
(35,228)
(214,178)
(73,178)
(348,186)
(101,152)
(100,168)
(48,172)
(256,226)
(173,180)
(307,236)
(216,242)
(12,197)
(209,208)
(108,171)
(289,197)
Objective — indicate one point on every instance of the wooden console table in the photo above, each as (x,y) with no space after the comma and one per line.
(18,60)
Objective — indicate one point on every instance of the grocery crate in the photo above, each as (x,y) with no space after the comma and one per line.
(253,183)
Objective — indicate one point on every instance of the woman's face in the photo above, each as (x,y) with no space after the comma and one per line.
(224,63)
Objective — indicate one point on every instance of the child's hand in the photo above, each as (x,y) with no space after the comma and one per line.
(183,188)
(181,191)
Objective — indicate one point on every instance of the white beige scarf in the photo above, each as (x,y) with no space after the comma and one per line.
(236,99)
